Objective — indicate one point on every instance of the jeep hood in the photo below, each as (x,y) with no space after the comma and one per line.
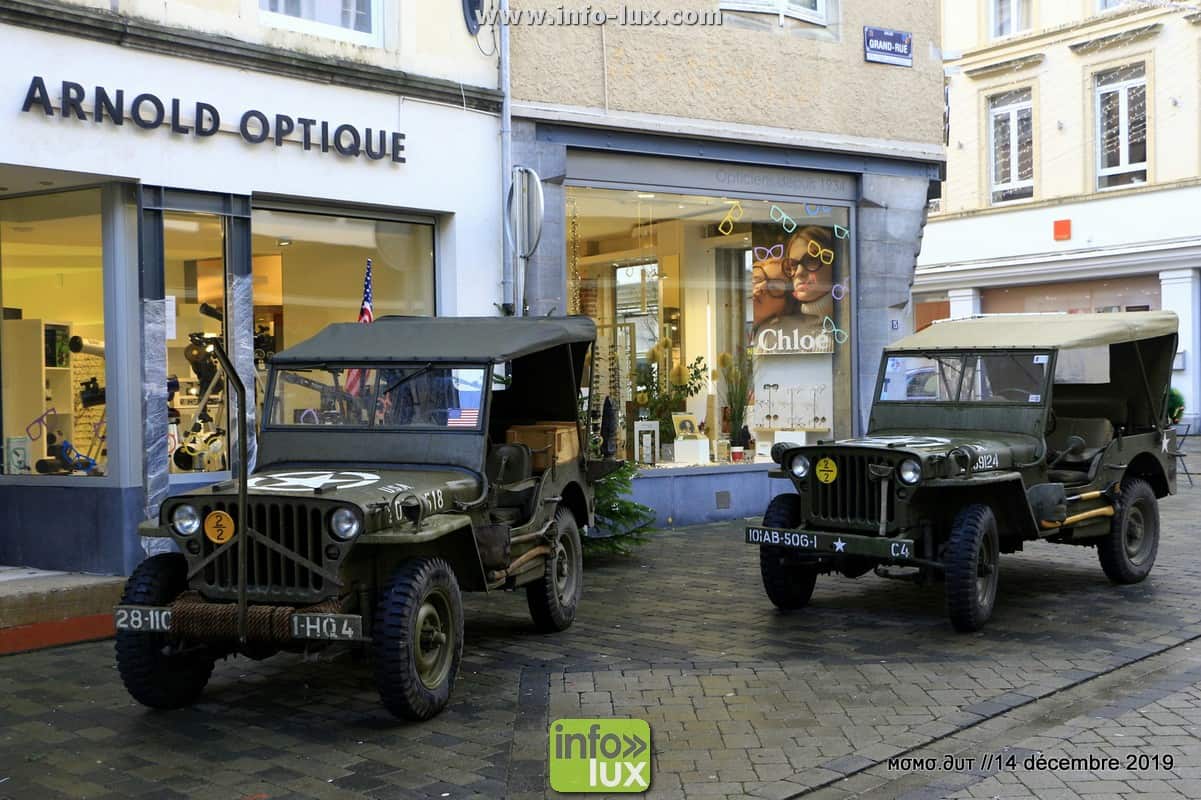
(359,486)
(993,450)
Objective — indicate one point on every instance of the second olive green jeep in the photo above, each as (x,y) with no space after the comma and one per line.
(986,433)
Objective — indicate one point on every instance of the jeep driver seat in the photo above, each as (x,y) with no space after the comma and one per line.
(1078,468)
(510,472)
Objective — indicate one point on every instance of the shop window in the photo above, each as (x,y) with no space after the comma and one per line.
(52,375)
(808,10)
(1122,126)
(356,20)
(308,272)
(194,279)
(1009,17)
(683,289)
(1130,292)
(1011,135)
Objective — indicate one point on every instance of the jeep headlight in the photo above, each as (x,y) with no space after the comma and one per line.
(344,524)
(185,519)
(910,471)
(799,466)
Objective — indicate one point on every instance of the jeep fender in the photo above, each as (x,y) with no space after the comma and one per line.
(574,499)
(1004,492)
(447,536)
(1145,465)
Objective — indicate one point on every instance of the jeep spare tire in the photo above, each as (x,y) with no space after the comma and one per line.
(789,586)
(1128,552)
(418,638)
(972,563)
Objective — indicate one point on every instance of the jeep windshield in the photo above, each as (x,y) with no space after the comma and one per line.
(971,377)
(403,397)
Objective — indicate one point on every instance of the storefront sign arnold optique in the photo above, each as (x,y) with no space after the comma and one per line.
(148,111)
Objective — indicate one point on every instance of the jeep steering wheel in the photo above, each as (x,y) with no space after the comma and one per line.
(1018,395)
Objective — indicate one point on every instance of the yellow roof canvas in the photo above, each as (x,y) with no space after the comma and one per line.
(1039,331)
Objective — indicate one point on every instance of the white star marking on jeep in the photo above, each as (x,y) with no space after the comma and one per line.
(839,545)
(308,481)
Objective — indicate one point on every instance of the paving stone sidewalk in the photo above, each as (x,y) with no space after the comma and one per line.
(742,701)
(1135,732)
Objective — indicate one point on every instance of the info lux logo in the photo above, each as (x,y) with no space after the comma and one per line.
(600,755)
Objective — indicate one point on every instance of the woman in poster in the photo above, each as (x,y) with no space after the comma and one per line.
(791,287)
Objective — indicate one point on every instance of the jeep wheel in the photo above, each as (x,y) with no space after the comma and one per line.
(788,586)
(1128,552)
(972,567)
(157,670)
(418,638)
(553,598)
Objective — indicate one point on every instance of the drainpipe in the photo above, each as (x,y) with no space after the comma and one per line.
(508,295)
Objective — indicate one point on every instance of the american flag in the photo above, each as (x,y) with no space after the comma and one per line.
(354,378)
(463,418)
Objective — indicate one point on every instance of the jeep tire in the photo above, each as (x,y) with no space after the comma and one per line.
(972,559)
(554,597)
(418,638)
(156,670)
(1128,552)
(788,586)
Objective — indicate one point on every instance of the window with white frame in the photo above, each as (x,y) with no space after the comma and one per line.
(808,10)
(1009,17)
(1105,5)
(1011,133)
(1121,110)
(354,20)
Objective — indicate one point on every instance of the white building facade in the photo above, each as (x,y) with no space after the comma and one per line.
(212,171)
(1073,166)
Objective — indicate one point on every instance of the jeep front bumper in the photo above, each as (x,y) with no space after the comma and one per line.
(822,543)
(197,620)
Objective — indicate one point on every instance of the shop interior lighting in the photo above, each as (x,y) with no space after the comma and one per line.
(183,225)
(283,242)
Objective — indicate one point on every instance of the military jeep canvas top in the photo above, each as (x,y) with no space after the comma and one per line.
(1039,331)
(420,368)
(986,433)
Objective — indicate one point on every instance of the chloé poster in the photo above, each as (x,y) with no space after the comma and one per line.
(797,284)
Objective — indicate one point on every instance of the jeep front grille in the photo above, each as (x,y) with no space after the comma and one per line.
(270,575)
(852,499)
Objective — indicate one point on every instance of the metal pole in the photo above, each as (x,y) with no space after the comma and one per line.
(232,378)
(1157,413)
(508,294)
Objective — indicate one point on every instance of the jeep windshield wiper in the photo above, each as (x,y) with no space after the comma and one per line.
(406,378)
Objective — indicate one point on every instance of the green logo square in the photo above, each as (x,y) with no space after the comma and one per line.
(600,755)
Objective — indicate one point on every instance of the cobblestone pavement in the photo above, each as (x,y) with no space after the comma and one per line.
(742,701)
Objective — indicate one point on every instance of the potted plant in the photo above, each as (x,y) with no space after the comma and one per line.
(737,372)
(1175,405)
(660,391)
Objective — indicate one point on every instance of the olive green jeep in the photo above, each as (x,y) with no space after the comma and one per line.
(398,463)
(986,433)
